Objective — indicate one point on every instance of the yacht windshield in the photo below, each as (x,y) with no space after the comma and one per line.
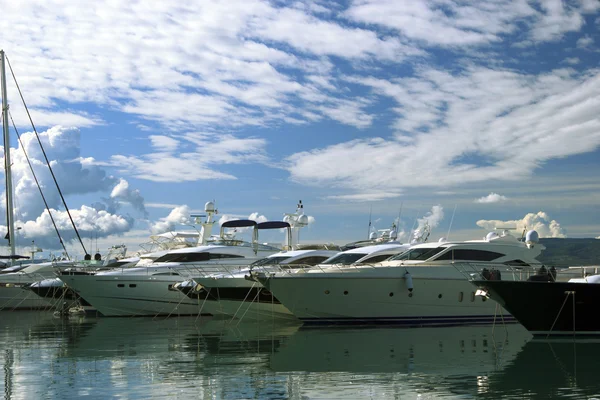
(269,261)
(418,254)
(345,259)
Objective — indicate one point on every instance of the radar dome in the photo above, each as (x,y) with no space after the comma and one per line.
(209,206)
(491,236)
(532,237)
(393,234)
(442,240)
(286,219)
(303,220)
(373,235)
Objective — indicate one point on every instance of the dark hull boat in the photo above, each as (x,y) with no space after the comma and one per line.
(548,307)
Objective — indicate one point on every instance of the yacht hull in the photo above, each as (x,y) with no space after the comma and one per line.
(549,308)
(125,296)
(386,299)
(240,298)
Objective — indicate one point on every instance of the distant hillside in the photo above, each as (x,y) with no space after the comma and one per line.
(568,252)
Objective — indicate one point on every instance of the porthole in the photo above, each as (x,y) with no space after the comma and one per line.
(345,292)
(472,296)
(120,285)
(327,292)
(410,295)
(460,296)
(439,296)
(483,298)
(132,285)
(391,294)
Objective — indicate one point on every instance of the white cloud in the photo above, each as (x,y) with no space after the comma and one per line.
(367,196)
(203,152)
(76,175)
(432,218)
(164,143)
(585,42)
(572,60)
(179,215)
(540,222)
(491,198)
(453,23)
(90,223)
(475,125)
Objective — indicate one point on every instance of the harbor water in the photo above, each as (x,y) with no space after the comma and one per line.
(44,356)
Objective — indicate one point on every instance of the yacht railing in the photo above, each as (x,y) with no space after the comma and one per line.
(354,268)
(192,271)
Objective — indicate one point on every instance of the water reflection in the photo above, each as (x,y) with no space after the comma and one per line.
(179,357)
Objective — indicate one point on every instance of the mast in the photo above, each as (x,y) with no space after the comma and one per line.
(10,218)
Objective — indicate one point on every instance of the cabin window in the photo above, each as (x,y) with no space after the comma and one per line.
(460,296)
(120,285)
(170,273)
(345,258)
(419,254)
(470,255)
(132,285)
(194,257)
(516,263)
(376,259)
(314,260)
(268,261)
(472,296)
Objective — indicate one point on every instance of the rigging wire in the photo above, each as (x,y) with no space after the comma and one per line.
(39,186)
(6,186)
(46,157)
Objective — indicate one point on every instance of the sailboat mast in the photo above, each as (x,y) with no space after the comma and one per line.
(10,222)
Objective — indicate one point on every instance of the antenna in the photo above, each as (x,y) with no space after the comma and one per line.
(416,218)
(451,220)
(370,214)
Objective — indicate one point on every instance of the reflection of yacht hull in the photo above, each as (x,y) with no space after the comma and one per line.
(549,307)
(251,310)
(17,298)
(381,297)
(437,351)
(116,295)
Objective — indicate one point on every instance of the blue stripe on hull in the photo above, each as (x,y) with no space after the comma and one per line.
(410,321)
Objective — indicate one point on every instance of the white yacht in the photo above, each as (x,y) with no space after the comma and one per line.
(233,295)
(148,290)
(15,281)
(237,296)
(419,287)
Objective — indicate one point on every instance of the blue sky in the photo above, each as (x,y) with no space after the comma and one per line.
(148,111)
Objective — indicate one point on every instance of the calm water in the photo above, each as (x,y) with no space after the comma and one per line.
(133,358)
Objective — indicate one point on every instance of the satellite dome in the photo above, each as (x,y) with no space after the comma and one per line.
(209,206)
(532,237)
(393,234)
(442,240)
(287,219)
(491,236)
(303,220)
(373,235)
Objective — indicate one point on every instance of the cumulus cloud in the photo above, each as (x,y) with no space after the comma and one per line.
(431,219)
(540,222)
(90,222)
(76,175)
(179,215)
(491,198)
